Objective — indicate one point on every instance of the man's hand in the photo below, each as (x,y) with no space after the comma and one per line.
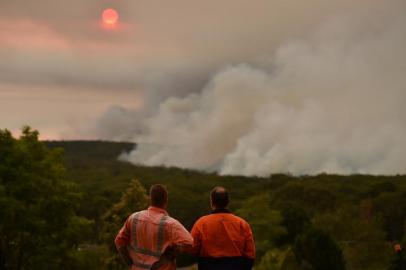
(125,255)
(168,256)
(183,248)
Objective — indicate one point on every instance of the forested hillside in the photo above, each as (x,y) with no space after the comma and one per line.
(307,222)
(364,215)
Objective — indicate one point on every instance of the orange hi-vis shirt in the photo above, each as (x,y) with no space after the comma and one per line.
(147,234)
(222,239)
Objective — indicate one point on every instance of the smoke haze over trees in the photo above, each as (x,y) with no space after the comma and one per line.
(329,102)
(253,87)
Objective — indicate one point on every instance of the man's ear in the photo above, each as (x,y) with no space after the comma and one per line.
(167,203)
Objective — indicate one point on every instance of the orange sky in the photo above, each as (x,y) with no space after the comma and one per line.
(60,70)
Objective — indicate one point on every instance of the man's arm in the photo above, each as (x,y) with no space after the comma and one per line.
(123,251)
(182,241)
(122,240)
(249,248)
(197,237)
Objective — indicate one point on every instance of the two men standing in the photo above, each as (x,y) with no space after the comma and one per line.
(150,239)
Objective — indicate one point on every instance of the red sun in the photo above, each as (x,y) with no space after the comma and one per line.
(110,16)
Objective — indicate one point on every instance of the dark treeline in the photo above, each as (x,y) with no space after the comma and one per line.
(62,202)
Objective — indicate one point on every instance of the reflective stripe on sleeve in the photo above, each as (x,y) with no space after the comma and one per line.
(161,233)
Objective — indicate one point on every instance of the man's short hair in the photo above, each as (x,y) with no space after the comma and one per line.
(158,195)
(219,197)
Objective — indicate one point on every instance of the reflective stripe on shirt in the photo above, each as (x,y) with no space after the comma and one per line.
(161,232)
(144,251)
(142,265)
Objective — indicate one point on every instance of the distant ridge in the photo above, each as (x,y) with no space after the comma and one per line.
(92,149)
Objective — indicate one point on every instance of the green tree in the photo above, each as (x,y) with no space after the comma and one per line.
(38,226)
(316,250)
(398,262)
(273,259)
(295,220)
(265,222)
(392,206)
(360,235)
(312,198)
(133,199)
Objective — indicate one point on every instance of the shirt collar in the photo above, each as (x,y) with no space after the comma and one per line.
(157,209)
(220,210)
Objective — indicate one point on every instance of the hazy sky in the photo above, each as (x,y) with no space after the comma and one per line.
(252,86)
(60,69)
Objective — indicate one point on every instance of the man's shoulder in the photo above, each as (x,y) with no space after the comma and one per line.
(137,214)
(238,218)
(203,219)
(210,219)
(145,216)
(230,216)
(170,221)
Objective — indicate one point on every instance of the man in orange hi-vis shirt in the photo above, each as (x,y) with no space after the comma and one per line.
(223,241)
(150,238)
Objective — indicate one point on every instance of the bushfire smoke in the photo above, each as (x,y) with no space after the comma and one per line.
(333,101)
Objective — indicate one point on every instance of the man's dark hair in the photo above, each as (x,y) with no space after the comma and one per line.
(158,195)
(219,197)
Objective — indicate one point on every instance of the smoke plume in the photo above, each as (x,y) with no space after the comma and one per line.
(331,101)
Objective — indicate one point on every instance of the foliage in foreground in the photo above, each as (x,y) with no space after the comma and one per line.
(316,250)
(38,227)
(362,214)
(134,199)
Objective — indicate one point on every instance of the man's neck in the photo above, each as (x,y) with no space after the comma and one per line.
(220,210)
(158,209)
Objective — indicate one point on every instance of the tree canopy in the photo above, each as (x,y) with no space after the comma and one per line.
(38,225)
(62,209)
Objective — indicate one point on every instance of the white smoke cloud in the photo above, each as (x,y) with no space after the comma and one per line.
(301,86)
(330,102)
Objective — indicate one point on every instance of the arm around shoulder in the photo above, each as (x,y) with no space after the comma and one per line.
(181,238)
